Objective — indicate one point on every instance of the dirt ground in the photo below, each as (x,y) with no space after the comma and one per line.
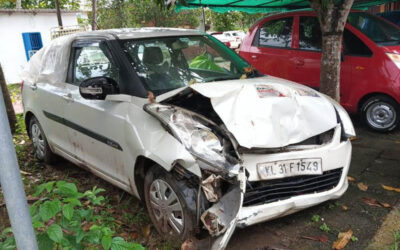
(375,161)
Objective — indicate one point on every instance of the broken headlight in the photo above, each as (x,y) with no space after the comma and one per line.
(189,129)
(347,124)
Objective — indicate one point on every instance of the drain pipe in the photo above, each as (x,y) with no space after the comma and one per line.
(13,189)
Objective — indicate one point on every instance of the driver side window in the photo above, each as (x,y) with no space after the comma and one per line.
(93,60)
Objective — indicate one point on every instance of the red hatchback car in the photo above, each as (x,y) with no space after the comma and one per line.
(289,46)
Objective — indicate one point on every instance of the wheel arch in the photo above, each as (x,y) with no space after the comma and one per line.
(142,165)
(28,117)
(369,95)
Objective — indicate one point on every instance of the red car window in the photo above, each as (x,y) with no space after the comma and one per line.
(310,36)
(276,33)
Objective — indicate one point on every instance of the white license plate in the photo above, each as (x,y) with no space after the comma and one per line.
(280,169)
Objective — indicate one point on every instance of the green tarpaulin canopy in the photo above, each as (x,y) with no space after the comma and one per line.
(264,6)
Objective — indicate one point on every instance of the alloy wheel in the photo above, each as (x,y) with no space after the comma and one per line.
(166,207)
(38,141)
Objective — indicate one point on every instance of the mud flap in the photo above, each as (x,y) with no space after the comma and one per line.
(221,219)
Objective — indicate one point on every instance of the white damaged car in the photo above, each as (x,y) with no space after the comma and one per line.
(180,121)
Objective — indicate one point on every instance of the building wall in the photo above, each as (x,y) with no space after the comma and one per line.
(12,51)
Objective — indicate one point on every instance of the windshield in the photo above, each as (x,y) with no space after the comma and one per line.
(378,30)
(164,64)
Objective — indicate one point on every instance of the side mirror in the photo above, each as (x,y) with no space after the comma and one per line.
(98,88)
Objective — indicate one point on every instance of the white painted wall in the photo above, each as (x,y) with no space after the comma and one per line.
(12,51)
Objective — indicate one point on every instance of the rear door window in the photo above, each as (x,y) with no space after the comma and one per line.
(310,36)
(276,33)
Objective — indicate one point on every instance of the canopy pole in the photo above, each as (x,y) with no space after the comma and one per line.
(203,19)
(13,189)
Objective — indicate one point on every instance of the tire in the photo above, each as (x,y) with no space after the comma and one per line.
(41,147)
(381,113)
(181,210)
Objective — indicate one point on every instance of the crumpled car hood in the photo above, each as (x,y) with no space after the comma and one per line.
(267,112)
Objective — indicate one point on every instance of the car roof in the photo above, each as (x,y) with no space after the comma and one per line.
(137,33)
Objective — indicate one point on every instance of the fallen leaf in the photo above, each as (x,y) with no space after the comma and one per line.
(389,188)
(124,235)
(345,208)
(321,238)
(134,235)
(86,226)
(376,203)
(362,186)
(189,244)
(146,231)
(343,239)
(349,178)
(24,173)
(371,202)
(353,138)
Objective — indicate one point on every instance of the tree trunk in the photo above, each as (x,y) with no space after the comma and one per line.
(12,119)
(332,16)
(18,4)
(94,23)
(330,66)
(59,19)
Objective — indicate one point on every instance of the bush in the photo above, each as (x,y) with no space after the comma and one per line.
(64,218)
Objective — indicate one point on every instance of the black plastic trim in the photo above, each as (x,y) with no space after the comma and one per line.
(83,130)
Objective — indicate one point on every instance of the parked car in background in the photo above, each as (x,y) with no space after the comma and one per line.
(236,36)
(289,46)
(221,37)
(228,38)
(392,16)
(182,122)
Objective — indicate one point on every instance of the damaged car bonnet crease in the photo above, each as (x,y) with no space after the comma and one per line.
(182,122)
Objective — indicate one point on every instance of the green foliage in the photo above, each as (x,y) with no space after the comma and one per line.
(354,238)
(315,218)
(325,228)
(64,218)
(41,4)
(396,244)
(139,13)
(233,20)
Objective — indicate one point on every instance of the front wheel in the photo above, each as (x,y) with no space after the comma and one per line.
(171,204)
(381,113)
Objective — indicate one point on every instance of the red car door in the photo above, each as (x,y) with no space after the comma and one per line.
(309,53)
(271,51)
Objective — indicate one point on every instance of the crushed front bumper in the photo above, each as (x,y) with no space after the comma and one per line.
(335,155)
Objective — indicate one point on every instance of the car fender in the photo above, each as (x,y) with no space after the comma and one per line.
(145,136)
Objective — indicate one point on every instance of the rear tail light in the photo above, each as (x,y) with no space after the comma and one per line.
(395,59)
(22,86)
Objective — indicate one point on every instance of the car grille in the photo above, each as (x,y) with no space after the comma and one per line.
(262,192)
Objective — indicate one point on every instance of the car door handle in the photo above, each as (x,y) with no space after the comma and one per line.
(67,97)
(33,87)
